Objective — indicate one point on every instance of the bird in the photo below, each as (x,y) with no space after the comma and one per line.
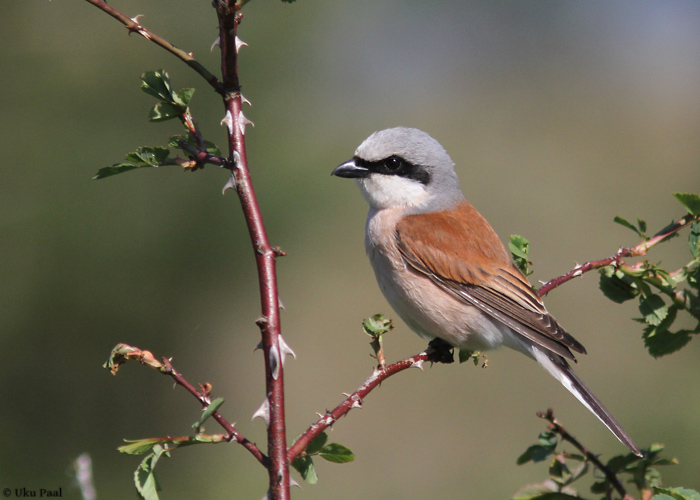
(442,267)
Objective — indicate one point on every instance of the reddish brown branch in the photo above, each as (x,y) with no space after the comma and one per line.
(265,255)
(617,259)
(202,157)
(355,399)
(205,400)
(123,352)
(556,427)
(134,26)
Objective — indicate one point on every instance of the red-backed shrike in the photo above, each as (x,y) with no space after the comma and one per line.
(442,267)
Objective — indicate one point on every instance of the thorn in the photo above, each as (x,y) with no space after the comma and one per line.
(320,415)
(230,184)
(263,412)
(281,305)
(240,43)
(418,364)
(345,394)
(292,482)
(228,121)
(275,362)
(243,122)
(236,159)
(258,347)
(138,28)
(286,350)
(246,101)
(232,438)
(261,321)
(217,43)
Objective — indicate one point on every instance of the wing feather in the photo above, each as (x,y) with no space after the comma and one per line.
(479,271)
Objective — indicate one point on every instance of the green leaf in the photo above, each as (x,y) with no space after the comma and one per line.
(138,446)
(675,494)
(620,463)
(316,444)
(642,225)
(690,201)
(628,224)
(147,156)
(616,286)
(465,355)
(305,466)
(666,342)
(547,442)
(559,472)
(653,308)
(211,148)
(141,446)
(600,487)
(336,453)
(520,248)
(377,325)
(165,111)
(117,168)
(694,239)
(145,478)
(208,412)
(665,324)
(157,84)
(183,97)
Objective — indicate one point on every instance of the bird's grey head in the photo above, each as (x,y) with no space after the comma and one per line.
(404,167)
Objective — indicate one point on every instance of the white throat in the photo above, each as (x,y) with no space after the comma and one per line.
(391,191)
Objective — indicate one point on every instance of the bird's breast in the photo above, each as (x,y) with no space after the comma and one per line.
(422,305)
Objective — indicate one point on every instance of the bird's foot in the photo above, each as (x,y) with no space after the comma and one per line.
(440,351)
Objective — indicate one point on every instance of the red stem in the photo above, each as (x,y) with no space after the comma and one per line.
(231,431)
(355,399)
(617,259)
(134,26)
(278,468)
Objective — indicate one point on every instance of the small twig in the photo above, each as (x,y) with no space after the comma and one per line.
(123,352)
(355,399)
(134,26)
(617,259)
(555,426)
(202,157)
(233,434)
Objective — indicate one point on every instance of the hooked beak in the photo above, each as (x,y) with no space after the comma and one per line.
(351,170)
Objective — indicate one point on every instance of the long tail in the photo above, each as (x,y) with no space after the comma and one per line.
(560,369)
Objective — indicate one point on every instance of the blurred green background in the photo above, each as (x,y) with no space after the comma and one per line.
(559,115)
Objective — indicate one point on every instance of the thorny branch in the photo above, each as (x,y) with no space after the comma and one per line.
(617,259)
(435,353)
(122,352)
(133,25)
(265,254)
(556,427)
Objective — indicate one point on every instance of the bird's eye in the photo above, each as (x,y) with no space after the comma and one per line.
(392,163)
